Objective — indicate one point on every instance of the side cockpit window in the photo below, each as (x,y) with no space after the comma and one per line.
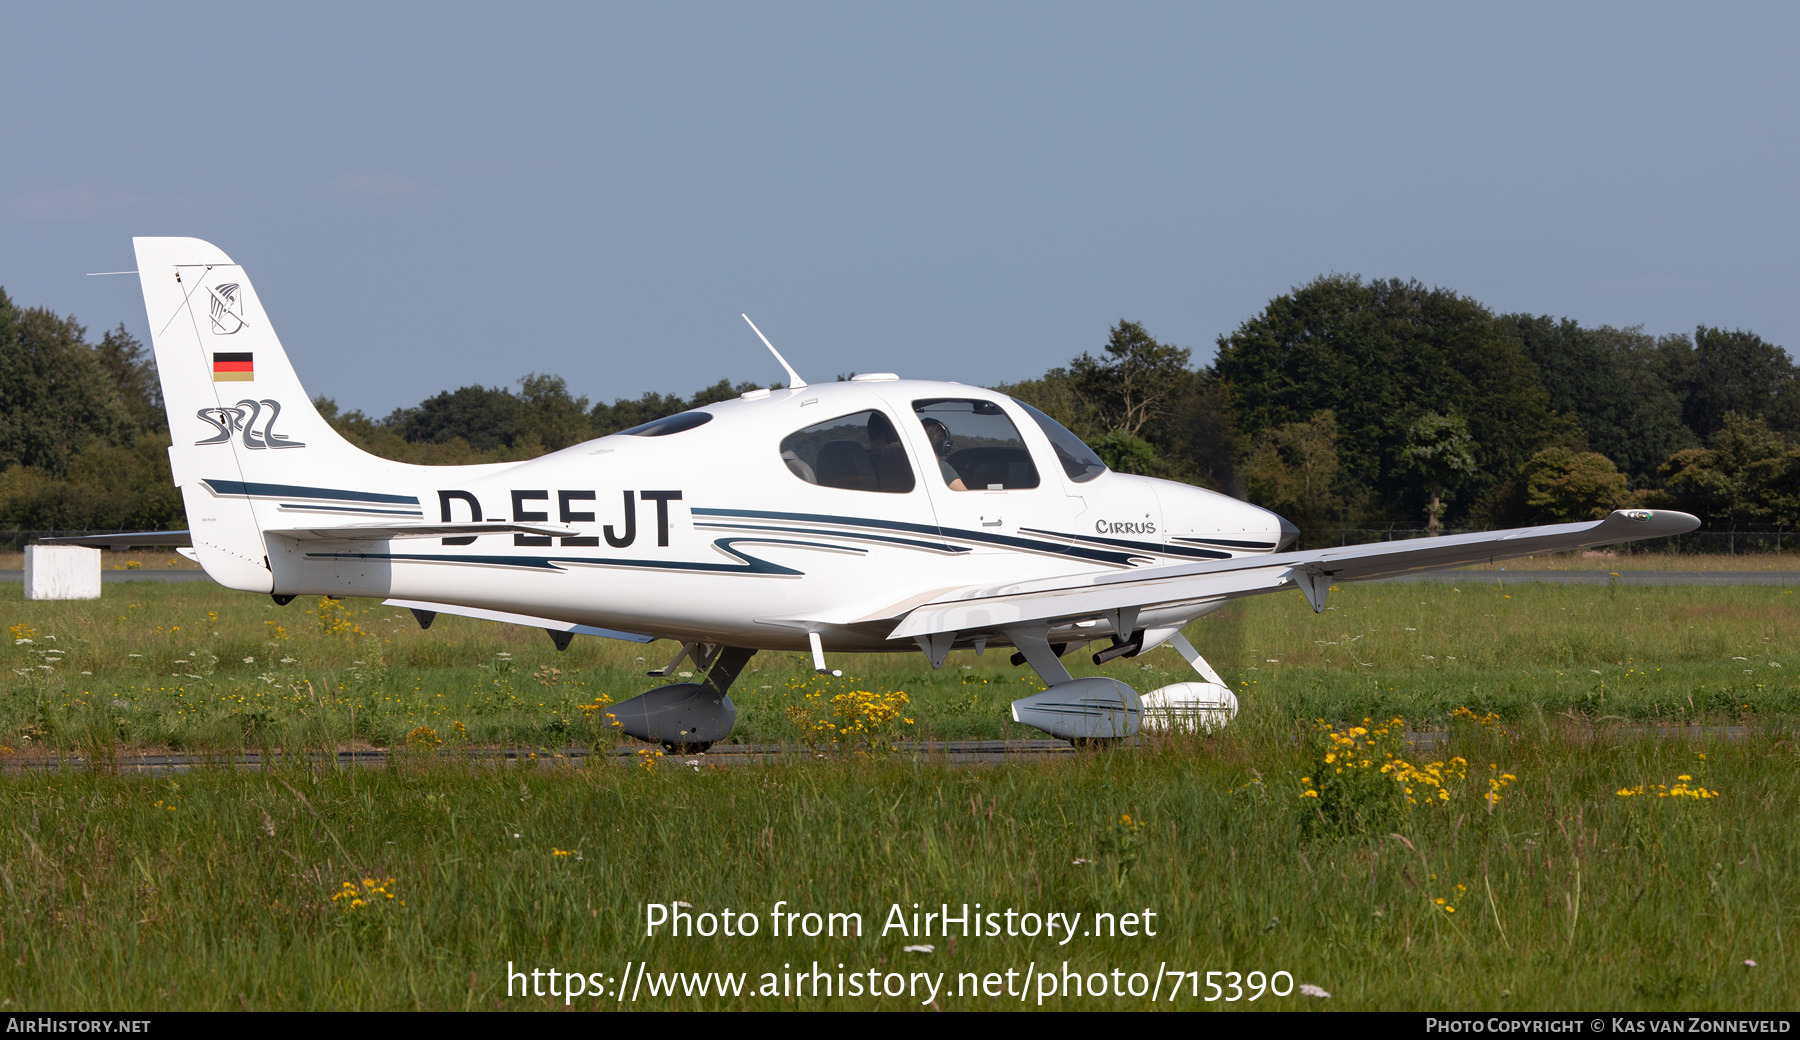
(859,452)
(977,446)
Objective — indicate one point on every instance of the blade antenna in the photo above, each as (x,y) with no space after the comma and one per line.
(794,380)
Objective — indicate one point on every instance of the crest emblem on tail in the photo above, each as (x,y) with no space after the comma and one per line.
(227,309)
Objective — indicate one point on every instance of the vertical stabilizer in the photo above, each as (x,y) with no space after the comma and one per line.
(245,434)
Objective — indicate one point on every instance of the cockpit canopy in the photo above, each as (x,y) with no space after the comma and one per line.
(975,447)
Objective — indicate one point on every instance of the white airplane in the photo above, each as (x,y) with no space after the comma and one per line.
(876,514)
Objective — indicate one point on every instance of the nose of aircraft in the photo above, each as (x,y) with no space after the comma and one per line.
(1288,532)
(1208,519)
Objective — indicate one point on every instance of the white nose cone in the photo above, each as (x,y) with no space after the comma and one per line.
(1189,707)
(1198,519)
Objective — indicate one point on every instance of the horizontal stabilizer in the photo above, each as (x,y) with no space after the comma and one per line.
(124,539)
(381,532)
(505,618)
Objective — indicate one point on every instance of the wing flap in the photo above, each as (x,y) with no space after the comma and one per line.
(1059,599)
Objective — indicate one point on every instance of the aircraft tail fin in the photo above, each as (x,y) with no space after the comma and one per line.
(249,447)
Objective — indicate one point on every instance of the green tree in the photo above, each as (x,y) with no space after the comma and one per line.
(548,415)
(381,439)
(1439,449)
(55,395)
(723,390)
(1293,470)
(486,417)
(1124,453)
(132,369)
(1720,372)
(1134,384)
(1602,378)
(1560,485)
(1054,394)
(1746,474)
(1198,438)
(1379,355)
(108,487)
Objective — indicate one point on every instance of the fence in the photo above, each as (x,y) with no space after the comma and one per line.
(1722,542)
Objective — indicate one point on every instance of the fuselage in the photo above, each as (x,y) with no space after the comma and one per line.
(829,509)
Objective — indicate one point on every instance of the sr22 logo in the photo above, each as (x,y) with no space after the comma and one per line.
(243,419)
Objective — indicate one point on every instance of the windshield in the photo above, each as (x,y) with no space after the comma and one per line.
(1078,460)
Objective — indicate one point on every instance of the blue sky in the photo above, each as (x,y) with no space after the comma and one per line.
(428,196)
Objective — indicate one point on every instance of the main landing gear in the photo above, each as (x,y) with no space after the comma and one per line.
(1099,708)
(688,717)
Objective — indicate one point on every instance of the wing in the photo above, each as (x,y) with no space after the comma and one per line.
(1057,600)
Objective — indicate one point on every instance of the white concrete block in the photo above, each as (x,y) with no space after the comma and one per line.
(62,572)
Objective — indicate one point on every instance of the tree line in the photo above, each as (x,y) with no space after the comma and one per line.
(83,437)
(1352,403)
(1343,403)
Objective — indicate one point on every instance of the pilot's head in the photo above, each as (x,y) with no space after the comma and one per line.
(939,436)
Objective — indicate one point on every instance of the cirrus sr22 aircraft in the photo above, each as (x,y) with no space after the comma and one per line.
(875,514)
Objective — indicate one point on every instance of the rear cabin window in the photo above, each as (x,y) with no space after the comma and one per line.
(977,446)
(680,422)
(858,452)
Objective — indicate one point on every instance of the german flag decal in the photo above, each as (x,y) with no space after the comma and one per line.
(233,368)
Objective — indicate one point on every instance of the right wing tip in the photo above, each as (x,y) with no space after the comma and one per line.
(1665,522)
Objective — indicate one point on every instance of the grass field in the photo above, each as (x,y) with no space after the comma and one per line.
(215,889)
(1602,560)
(196,667)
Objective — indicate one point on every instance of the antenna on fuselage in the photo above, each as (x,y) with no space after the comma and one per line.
(794,380)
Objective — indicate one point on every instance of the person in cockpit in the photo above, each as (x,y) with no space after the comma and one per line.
(939,436)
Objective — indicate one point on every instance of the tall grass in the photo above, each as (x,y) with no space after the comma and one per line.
(214,889)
